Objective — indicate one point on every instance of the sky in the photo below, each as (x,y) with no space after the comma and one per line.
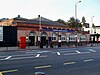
(51,9)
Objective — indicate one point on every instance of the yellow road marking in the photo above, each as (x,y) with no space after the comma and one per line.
(48,66)
(9,71)
(68,63)
(1,73)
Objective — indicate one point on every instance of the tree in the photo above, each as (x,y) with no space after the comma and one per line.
(74,22)
(93,25)
(71,22)
(61,21)
(83,21)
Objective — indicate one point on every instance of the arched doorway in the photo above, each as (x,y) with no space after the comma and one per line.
(44,38)
(32,38)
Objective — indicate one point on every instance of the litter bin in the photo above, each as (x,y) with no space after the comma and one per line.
(39,73)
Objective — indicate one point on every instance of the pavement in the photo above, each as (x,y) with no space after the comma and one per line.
(36,47)
(29,48)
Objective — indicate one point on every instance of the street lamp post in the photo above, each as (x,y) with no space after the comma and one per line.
(39,35)
(76,18)
(91,25)
(76,9)
(76,40)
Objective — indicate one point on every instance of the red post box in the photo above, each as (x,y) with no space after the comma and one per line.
(22,43)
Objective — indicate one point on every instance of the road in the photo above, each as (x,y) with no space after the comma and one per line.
(62,61)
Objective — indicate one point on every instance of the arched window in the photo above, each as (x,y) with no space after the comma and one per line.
(44,34)
(32,33)
(31,38)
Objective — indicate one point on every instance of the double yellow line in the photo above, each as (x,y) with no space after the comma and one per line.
(1,73)
(48,66)
(68,63)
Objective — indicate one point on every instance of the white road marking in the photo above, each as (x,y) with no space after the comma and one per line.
(37,55)
(44,56)
(84,52)
(78,51)
(46,51)
(58,53)
(21,58)
(92,50)
(71,53)
(24,55)
(63,51)
(88,60)
(29,52)
(43,51)
(2,59)
(8,57)
(40,52)
(3,56)
(66,51)
(27,57)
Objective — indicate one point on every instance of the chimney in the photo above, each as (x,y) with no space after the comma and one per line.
(18,15)
(39,16)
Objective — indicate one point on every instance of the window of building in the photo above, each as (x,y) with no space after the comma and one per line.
(54,37)
(72,37)
(63,38)
(83,38)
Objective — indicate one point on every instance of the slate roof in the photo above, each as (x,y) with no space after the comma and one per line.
(19,18)
(44,21)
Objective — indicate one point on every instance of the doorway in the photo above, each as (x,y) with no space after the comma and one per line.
(32,38)
(43,40)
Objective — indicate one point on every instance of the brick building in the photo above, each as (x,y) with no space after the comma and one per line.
(45,30)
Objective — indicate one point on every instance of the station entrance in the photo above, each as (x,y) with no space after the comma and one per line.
(32,36)
(44,37)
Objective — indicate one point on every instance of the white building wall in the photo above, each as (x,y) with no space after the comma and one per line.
(98,30)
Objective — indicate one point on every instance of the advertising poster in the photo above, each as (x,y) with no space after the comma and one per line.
(1,33)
